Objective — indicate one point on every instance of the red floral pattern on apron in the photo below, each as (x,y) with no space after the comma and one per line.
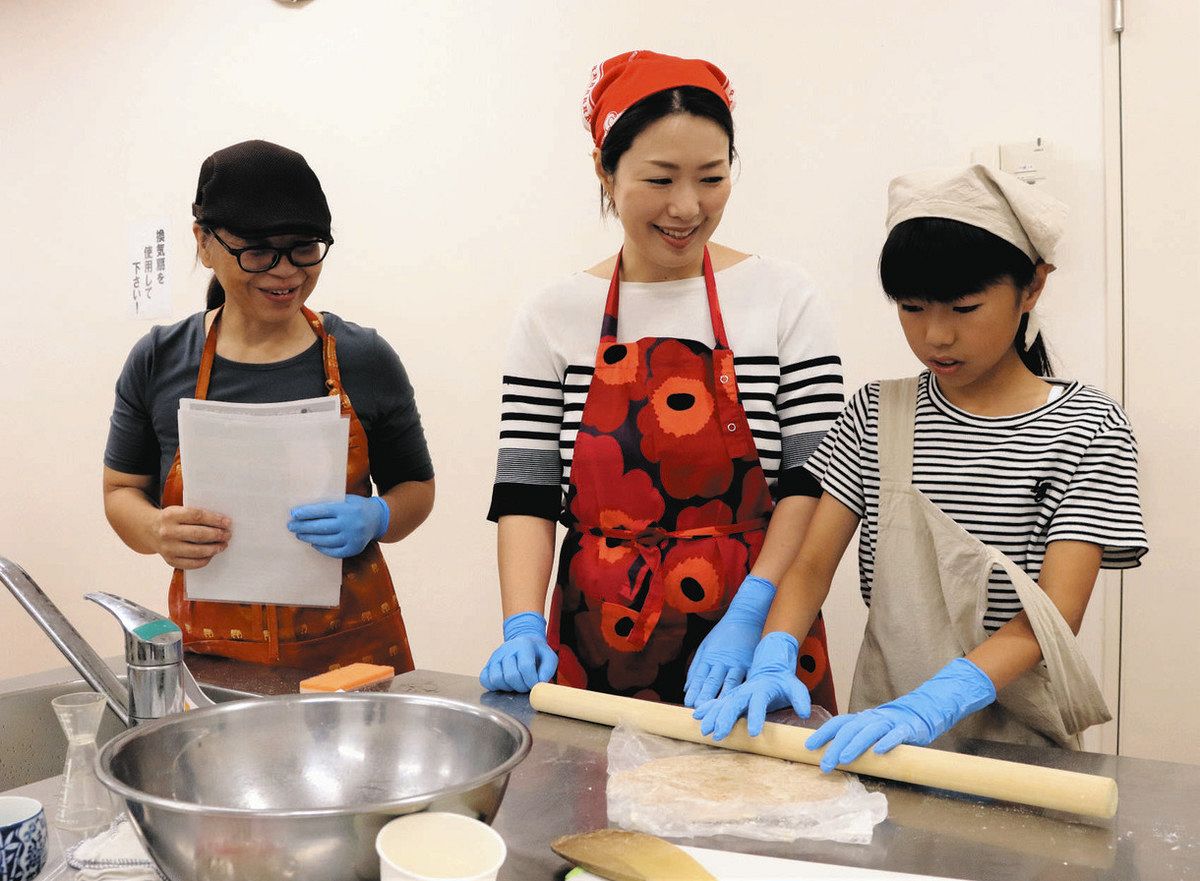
(667,510)
(365,626)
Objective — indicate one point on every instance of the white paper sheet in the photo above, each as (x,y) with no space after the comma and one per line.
(254,469)
(327,405)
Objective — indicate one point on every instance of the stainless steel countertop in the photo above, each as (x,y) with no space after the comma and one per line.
(560,789)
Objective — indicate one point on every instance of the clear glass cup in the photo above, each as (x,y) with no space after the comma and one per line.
(84,804)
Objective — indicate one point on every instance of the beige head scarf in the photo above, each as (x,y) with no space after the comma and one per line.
(1028,218)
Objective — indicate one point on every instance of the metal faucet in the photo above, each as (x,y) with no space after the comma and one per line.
(159,683)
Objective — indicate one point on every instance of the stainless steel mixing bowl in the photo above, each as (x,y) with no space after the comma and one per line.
(297,786)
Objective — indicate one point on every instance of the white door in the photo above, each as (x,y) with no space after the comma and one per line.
(1160,644)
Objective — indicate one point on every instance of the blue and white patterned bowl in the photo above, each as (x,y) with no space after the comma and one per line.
(22,838)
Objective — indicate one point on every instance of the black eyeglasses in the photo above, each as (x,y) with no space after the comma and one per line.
(260,258)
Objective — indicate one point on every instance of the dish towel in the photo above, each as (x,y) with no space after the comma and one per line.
(115,854)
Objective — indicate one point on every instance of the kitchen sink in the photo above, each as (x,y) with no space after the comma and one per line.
(32,745)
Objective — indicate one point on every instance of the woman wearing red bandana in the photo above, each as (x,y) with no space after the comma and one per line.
(665,426)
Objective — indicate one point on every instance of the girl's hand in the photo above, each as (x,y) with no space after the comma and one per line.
(188,538)
(921,716)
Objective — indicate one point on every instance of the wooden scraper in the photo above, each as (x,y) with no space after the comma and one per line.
(629,856)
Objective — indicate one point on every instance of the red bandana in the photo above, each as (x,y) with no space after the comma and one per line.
(620,82)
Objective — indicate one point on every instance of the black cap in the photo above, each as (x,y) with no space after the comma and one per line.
(258,188)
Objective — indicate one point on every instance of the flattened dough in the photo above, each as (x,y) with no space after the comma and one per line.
(723,787)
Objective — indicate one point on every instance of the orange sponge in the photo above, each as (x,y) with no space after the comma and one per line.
(348,678)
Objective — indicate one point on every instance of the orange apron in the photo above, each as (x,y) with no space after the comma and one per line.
(365,626)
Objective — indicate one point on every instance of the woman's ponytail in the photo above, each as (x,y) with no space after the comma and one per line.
(216,294)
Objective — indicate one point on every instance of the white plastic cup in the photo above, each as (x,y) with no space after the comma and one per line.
(435,846)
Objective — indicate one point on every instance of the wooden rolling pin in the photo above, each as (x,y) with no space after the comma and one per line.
(1058,790)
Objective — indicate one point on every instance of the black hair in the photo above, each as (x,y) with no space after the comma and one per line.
(215,295)
(938,260)
(681,99)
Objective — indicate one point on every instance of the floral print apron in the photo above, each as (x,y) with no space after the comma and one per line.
(667,510)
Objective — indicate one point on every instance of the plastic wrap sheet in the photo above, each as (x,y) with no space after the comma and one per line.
(733,793)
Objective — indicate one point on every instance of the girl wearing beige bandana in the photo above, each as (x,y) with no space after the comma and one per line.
(989,493)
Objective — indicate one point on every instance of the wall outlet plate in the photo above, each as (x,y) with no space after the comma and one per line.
(1029,161)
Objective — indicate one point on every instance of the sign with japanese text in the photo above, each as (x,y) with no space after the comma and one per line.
(149,284)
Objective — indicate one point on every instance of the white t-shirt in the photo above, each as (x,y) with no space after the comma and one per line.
(1066,471)
(788,375)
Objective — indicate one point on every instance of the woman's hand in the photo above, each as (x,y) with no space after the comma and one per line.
(771,685)
(188,538)
(524,658)
(341,529)
(724,656)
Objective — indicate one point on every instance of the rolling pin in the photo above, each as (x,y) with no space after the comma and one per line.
(1058,790)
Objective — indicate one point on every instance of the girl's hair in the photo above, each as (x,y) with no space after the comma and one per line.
(938,260)
(681,99)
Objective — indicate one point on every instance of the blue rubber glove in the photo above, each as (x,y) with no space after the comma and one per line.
(770,685)
(341,529)
(921,716)
(524,659)
(724,656)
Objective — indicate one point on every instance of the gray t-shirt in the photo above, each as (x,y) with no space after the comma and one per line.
(162,368)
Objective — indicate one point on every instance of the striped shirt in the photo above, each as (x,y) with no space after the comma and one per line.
(789,379)
(1066,471)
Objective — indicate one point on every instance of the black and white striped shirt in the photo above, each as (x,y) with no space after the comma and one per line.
(1066,471)
(789,377)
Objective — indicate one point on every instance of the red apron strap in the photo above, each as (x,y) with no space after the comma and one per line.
(648,544)
(656,536)
(608,328)
(714,307)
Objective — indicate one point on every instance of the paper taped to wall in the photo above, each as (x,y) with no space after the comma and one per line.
(149,285)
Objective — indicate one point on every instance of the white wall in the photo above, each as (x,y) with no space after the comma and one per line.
(1162,257)
(448,139)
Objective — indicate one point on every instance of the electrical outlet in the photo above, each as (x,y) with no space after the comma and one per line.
(1029,161)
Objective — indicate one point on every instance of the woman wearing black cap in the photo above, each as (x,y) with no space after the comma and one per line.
(263,227)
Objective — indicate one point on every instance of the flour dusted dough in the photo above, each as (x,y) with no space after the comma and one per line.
(723,787)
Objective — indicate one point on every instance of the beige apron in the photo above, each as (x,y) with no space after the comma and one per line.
(928,600)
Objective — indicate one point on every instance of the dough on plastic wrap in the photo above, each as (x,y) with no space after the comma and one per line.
(677,789)
(725,787)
